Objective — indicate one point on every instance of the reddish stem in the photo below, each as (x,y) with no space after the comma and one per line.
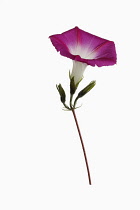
(84,151)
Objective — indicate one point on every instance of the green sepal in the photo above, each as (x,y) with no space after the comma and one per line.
(62,93)
(73,86)
(86,89)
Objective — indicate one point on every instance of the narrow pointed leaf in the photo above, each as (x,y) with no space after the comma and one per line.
(72,86)
(86,89)
(62,93)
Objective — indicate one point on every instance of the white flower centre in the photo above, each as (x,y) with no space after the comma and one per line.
(84,52)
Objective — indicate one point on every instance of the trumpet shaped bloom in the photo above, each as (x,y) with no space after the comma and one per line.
(84,49)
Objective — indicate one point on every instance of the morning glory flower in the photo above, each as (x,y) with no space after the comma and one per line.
(84,49)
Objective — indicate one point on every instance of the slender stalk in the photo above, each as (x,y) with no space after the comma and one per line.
(75,102)
(84,151)
(71,97)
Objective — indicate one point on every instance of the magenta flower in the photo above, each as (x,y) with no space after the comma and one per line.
(86,48)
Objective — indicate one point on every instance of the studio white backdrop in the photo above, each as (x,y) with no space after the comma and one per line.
(41,160)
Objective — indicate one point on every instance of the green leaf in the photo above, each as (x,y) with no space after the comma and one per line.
(62,93)
(86,89)
(72,86)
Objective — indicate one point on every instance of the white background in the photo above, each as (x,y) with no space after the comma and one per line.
(41,160)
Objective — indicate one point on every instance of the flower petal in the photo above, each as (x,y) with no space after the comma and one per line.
(78,71)
(85,47)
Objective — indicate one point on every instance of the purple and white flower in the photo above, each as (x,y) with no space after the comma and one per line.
(84,49)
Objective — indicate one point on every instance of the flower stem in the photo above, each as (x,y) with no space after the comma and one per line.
(84,151)
(71,97)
